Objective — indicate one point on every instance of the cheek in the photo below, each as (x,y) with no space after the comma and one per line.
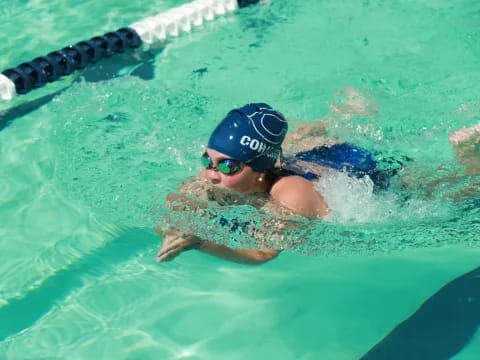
(231,181)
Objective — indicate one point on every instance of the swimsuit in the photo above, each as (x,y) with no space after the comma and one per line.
(353,160)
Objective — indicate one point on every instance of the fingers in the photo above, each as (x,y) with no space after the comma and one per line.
(170,252)
(169,244)
(173,245)
(167,255)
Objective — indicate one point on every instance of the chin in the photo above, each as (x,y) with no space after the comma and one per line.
(235,189)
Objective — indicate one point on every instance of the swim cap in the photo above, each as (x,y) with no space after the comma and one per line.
(252,134)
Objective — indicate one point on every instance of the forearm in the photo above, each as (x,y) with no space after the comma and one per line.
(317,128)
(241,256)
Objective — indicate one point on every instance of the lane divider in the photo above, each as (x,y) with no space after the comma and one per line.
(150,31)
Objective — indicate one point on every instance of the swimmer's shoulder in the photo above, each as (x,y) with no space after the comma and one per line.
(299,195)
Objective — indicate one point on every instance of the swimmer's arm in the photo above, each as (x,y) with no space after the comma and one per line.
(241,256)
(304,201)
(350,102)
(173,244)
(317,128)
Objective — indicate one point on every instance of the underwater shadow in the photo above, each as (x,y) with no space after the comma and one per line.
(440,328)
(21,313)
(7,116)
(141,65)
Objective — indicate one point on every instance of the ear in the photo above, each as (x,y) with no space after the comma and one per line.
(261,176)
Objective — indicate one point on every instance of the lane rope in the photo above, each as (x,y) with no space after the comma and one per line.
(150,31)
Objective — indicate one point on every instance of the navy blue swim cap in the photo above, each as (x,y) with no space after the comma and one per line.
(252,134)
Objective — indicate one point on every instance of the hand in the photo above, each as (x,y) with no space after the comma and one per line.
(174,243)
(353,103)
(465,135)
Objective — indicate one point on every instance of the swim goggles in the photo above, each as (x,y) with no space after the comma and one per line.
(225,166)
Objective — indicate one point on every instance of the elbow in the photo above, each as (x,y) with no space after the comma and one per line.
(263,256)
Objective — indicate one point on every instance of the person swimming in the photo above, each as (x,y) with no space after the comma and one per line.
(244,155)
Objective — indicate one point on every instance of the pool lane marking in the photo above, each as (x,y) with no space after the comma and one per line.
(442,326)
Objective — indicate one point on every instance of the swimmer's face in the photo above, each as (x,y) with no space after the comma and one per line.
(243,181)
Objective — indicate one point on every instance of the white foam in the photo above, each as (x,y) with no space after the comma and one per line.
(352,200)
(348,198)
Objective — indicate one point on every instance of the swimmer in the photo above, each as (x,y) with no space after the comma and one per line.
(242,156)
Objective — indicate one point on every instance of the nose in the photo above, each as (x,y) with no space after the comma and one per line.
(213,175)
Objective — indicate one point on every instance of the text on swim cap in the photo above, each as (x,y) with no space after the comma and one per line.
(259,146)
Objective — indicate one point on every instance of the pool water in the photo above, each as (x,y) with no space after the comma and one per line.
(86,164)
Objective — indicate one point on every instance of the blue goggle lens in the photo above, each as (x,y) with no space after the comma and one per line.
(225,166)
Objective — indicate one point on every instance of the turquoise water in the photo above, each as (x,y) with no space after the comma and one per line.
(83,179)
